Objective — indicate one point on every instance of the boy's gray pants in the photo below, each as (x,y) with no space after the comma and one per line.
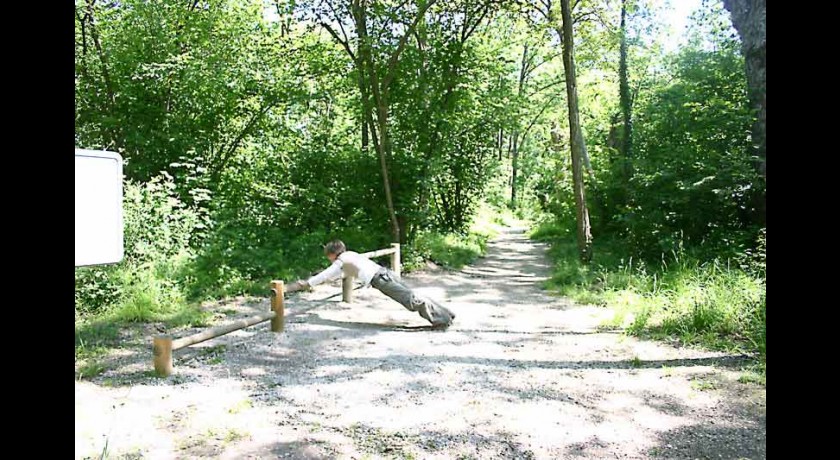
(387,283)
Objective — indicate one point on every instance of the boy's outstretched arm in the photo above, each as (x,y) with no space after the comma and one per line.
(331,272)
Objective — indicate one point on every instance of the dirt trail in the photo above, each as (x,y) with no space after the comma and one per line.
(521,374)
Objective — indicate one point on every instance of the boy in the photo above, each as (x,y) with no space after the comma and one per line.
(372,274)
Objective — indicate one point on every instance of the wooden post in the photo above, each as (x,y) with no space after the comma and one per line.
(277,306)
(162,351)
(347,289)
(395,260)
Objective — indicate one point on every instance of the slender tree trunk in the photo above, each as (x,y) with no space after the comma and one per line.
(103,59)
(384,155)
(111,101)
(584,233)
(514,162)
(365,107)
(500,142)
(523,72)
(357,11)
(380,90)
(624,89)
(380,100)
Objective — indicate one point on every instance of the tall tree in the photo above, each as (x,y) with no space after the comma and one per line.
(624,96)
(584,233)
(750,20)
(377,71)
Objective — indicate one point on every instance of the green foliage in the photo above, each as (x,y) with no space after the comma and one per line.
(158,230)
(716,303)
(692,183)
(452,250)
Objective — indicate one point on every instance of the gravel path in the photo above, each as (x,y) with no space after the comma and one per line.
(520,374)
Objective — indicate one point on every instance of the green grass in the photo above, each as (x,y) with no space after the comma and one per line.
(148,294)
(450,251)
(756,373)
(234,435)
(713,303)
(243,405)
(703,385)
(89,369)
(454,250)
(93,339)
(490,220)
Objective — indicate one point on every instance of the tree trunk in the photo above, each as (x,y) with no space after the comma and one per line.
(523,73)
(380,92)
(624,90)
(500,142)
(514,162)
(381,143)
(584,234)
(110,105)
(384,155)
(109,87)
(750,20)
(365,107)
(357,11)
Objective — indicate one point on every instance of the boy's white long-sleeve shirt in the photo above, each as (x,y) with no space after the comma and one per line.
(352,264)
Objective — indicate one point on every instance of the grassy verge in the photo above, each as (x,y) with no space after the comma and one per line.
(715,304)
(455,250)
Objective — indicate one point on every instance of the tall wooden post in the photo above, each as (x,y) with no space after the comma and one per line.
(347,289)
(277,306)
(395,260)
(162,351)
